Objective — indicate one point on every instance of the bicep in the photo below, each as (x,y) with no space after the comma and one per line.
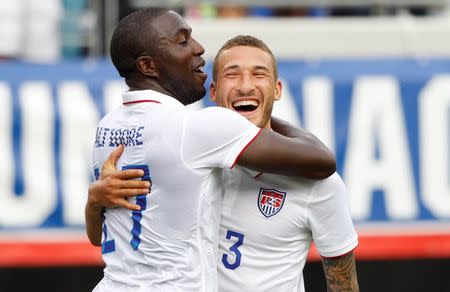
(340,273)
(274,153)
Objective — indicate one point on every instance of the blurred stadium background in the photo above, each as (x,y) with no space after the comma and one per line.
(371,78)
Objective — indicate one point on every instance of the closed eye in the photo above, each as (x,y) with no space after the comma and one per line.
(260,74)
(231,75)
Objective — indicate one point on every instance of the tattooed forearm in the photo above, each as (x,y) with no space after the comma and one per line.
(340,273)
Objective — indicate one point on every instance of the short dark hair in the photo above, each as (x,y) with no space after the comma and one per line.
(244,41)
(133,37)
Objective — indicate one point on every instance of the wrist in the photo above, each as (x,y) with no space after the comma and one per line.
(94,208)
(93,203)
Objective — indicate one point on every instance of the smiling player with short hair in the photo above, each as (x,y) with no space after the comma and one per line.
(269,221)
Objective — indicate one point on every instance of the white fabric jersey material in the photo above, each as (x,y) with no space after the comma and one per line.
(171,245)
(267,226)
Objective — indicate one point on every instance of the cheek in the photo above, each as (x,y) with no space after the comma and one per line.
(223,92)
(222,101)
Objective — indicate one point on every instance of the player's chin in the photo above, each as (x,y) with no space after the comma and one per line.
(199,93)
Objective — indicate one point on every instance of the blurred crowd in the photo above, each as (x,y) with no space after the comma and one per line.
(208,10)
(30,30)
(43,31)
(48,30)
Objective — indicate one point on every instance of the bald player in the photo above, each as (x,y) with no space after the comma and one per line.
(168,242)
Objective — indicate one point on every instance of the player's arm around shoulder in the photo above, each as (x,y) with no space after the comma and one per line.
(289,151)
(340,273)
(289,130)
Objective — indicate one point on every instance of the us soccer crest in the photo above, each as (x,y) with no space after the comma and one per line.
(270,201)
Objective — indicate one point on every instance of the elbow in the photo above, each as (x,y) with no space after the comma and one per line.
(94,238)
(95,241)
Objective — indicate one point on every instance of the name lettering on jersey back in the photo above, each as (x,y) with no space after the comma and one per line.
(113,137)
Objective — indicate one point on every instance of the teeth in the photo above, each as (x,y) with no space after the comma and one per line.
(199,69)
(245,102)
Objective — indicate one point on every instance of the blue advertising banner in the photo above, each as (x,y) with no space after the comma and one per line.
(387,120)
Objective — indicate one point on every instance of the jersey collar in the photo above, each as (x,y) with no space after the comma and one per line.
(138,96)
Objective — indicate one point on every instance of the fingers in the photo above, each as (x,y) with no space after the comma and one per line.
(132,184)
(126,180)
(115,155)
(132,192)
(109,167)
(130,173)
(127,205)
(124,203)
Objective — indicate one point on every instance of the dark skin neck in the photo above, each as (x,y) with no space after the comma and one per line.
(144,84)
(148,83)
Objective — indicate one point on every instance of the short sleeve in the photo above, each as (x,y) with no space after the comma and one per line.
(215,137)
(329,218)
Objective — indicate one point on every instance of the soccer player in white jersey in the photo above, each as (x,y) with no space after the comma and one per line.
(269,221)
(169,241)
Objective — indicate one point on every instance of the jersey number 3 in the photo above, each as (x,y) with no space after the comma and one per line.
(234,249)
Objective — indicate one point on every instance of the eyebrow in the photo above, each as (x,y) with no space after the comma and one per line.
(265,68)
(257,67)
(183,30)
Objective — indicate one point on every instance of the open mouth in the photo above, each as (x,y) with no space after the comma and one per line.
(199,70)
(245,105)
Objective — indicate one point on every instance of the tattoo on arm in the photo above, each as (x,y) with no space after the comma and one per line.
(340,273)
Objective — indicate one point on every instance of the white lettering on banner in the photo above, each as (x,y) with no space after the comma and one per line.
(6,152)
(434,107)
(376,124)
(318,105)
(112,92)
(79,119)
(39,197)
(285,108)
(377,119)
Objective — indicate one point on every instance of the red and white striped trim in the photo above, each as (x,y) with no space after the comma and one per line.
(139,101)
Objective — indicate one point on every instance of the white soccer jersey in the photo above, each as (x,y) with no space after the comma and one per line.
(267,226)
(171,245)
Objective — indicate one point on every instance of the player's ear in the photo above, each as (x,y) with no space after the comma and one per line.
(212,92)
(147,66)
(278,88)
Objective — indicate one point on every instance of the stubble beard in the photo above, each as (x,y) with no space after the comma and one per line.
(184,91)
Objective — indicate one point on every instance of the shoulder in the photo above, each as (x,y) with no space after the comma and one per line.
(110,116)
(216,119)
(217,112)
(330,189)
(332,183)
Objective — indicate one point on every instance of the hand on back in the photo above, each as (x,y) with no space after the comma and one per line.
(114,187)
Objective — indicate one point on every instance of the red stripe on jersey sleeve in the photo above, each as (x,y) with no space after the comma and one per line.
(139,101)
(246,146)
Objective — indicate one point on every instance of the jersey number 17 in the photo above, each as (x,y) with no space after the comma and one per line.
(136,216)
